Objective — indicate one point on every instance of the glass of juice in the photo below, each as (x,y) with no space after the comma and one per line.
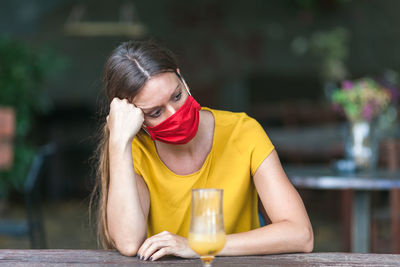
(207,234)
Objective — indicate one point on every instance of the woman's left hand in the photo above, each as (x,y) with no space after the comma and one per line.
(163,244)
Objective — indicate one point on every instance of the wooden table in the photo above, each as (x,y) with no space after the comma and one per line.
(323,177)
(58,257)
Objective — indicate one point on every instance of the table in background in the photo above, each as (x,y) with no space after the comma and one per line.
(317,177)
(38,257)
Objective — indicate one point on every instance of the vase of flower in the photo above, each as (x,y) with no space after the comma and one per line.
(361,146)
(363,101)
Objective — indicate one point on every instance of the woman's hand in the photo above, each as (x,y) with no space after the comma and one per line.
(124,120)
(163,244)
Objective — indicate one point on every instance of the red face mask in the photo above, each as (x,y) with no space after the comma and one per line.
(180,127)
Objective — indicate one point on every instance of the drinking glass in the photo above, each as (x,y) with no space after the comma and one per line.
(207,234)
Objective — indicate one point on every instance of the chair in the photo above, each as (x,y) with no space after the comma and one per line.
(33,226)
(390,158)
(389,155)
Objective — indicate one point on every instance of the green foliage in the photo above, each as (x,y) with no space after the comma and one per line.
(23,74)
(332,47)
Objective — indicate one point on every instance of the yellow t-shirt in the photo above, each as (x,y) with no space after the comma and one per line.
(239,146)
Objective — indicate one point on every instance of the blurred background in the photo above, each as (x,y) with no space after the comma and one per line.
(279,61)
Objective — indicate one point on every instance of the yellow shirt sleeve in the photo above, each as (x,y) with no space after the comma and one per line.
(256,139)
(139,150)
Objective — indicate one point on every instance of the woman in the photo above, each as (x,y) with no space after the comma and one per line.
(158,144)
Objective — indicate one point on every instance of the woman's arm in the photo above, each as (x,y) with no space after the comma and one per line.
(128,202)
(128,197)
(290,230)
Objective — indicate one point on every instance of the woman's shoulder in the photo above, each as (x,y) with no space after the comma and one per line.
(240,131)
(141,142)
(232,119)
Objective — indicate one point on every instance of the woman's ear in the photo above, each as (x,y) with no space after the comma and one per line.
(178,73)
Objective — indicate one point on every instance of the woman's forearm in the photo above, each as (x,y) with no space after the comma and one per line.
(125,216)
(281,237)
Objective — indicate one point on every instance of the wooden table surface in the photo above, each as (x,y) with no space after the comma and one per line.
(61,257)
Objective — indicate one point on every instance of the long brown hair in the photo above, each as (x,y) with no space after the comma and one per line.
(126,71)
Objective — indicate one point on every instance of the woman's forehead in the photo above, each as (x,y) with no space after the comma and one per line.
(156,89)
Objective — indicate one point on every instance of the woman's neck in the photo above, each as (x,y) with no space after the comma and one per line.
(191,147)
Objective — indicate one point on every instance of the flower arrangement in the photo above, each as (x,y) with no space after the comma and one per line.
(363,99)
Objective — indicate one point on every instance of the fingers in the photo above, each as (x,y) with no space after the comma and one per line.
(160,247)
(123,106)
(156,244)
(147,243)
(117,101)
(163,244)
(159,253)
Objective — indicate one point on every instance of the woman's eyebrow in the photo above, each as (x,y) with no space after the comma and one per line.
(148,110)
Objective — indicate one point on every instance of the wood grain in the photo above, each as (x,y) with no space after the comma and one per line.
(61,257)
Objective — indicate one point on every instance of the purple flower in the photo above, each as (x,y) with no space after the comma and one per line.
(347,85)
(367,112)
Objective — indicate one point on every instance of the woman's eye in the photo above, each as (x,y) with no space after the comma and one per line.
(178,96)
(156,113)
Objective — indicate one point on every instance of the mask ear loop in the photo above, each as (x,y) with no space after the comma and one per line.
(144,129)
(187,89)
(184,83)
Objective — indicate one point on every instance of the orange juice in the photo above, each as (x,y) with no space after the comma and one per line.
(207,244)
